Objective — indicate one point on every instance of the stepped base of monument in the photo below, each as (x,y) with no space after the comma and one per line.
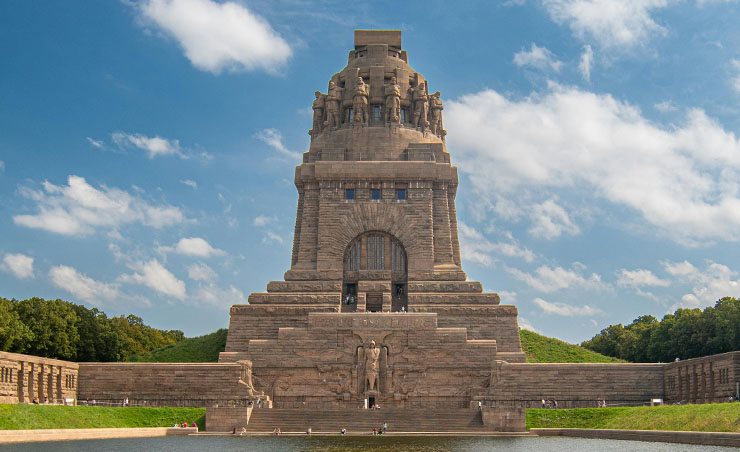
(355,421)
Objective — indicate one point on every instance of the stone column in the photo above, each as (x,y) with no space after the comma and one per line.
(297,230)
(453,226)
(441,224)
(21,377)
(60,389)
(309,230)
(31,383)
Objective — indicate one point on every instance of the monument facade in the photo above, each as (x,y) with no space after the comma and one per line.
(375,308)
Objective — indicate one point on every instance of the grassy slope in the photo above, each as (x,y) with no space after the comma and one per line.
(22,417)
(200,349)
(724,417)
(541,349)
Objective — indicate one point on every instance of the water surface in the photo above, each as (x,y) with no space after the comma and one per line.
(352,443)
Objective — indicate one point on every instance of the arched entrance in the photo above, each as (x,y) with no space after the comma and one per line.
(375,256)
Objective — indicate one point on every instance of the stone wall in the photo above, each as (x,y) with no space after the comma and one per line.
(163,384)
(25,378)
(573,385)
(703,380)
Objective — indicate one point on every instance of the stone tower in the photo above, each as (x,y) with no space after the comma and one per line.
(376,257)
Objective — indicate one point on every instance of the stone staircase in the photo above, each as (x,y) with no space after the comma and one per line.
(362,421)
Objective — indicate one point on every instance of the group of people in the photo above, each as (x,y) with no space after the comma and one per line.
(601,403)
(186,425)
(243,431)
(549,404)
(276,431)
(349,299)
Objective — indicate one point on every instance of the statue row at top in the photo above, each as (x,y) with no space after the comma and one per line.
(427,108)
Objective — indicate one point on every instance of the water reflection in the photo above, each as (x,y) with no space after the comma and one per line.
(361,444)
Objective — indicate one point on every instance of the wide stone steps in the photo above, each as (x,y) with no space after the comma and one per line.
(354,420)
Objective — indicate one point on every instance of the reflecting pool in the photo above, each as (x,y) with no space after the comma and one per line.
(352,443)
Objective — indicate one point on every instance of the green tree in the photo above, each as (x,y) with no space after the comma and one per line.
(14,334)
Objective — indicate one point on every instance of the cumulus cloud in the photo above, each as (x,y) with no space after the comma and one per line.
(201,272)
(526,325)
(550,220)
(476,248)
(79,209)
(215,296)
(682,180)
(190,183)
(708,285)
(153,275)
(611,23)
(87,289)
(96,143)
(18,264)
(274,139)
(262,221)
(564,309)
(153,146)
(192,246)
(537,57)
(551,279)
(272,237)
(665,106)
(218,36)
(587,62)
(640,278)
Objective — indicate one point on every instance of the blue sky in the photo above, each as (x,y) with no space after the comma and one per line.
(147,149)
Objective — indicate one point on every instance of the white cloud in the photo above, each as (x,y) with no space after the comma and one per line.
(215,296)
(526,325)
(153,275)
(2,166)
(79,208)
(272,237)
(537,57)
(190,183)
(612,23)
(587,62)
(96,143)
(565,309)
(683,180)
(94,292)
(193,246)
(736,76)
(708,286)
(18,264)
(476,248)
(551,220)
(219,36)
(507,297)
(262,221)
(274,139)
(665,106)
(549,279)
(201,272)
(153,146)
(640,278)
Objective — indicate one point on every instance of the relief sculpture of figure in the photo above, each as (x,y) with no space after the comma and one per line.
(421,106)
(333,98)
(435,105)
(372,354)
(359,101)
(318,113)
(393,102)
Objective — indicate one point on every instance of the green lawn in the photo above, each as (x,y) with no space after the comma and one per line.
(542,349)
(202,349)
(722,417)
(24,417)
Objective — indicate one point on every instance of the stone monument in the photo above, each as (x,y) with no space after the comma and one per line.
(375,308)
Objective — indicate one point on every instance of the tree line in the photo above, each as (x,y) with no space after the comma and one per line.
(687,333)
(63,330)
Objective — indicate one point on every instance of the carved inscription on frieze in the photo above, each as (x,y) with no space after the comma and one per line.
(364,321)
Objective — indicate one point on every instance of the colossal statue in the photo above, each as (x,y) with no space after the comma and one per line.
(393,102)
(421,106)
(359,101)
(333,100)
(318,113)
(436,107)
(372,354)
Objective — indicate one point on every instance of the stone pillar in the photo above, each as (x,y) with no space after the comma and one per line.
(680,383)
(60,389)
(308,242)
(297,230)
(50,380)
(387,297)
(21,377)
(40,390)
(711,383)
(31,383)
(453,226)
(441,224)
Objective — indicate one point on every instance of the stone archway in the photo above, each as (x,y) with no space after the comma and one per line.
(376,257)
